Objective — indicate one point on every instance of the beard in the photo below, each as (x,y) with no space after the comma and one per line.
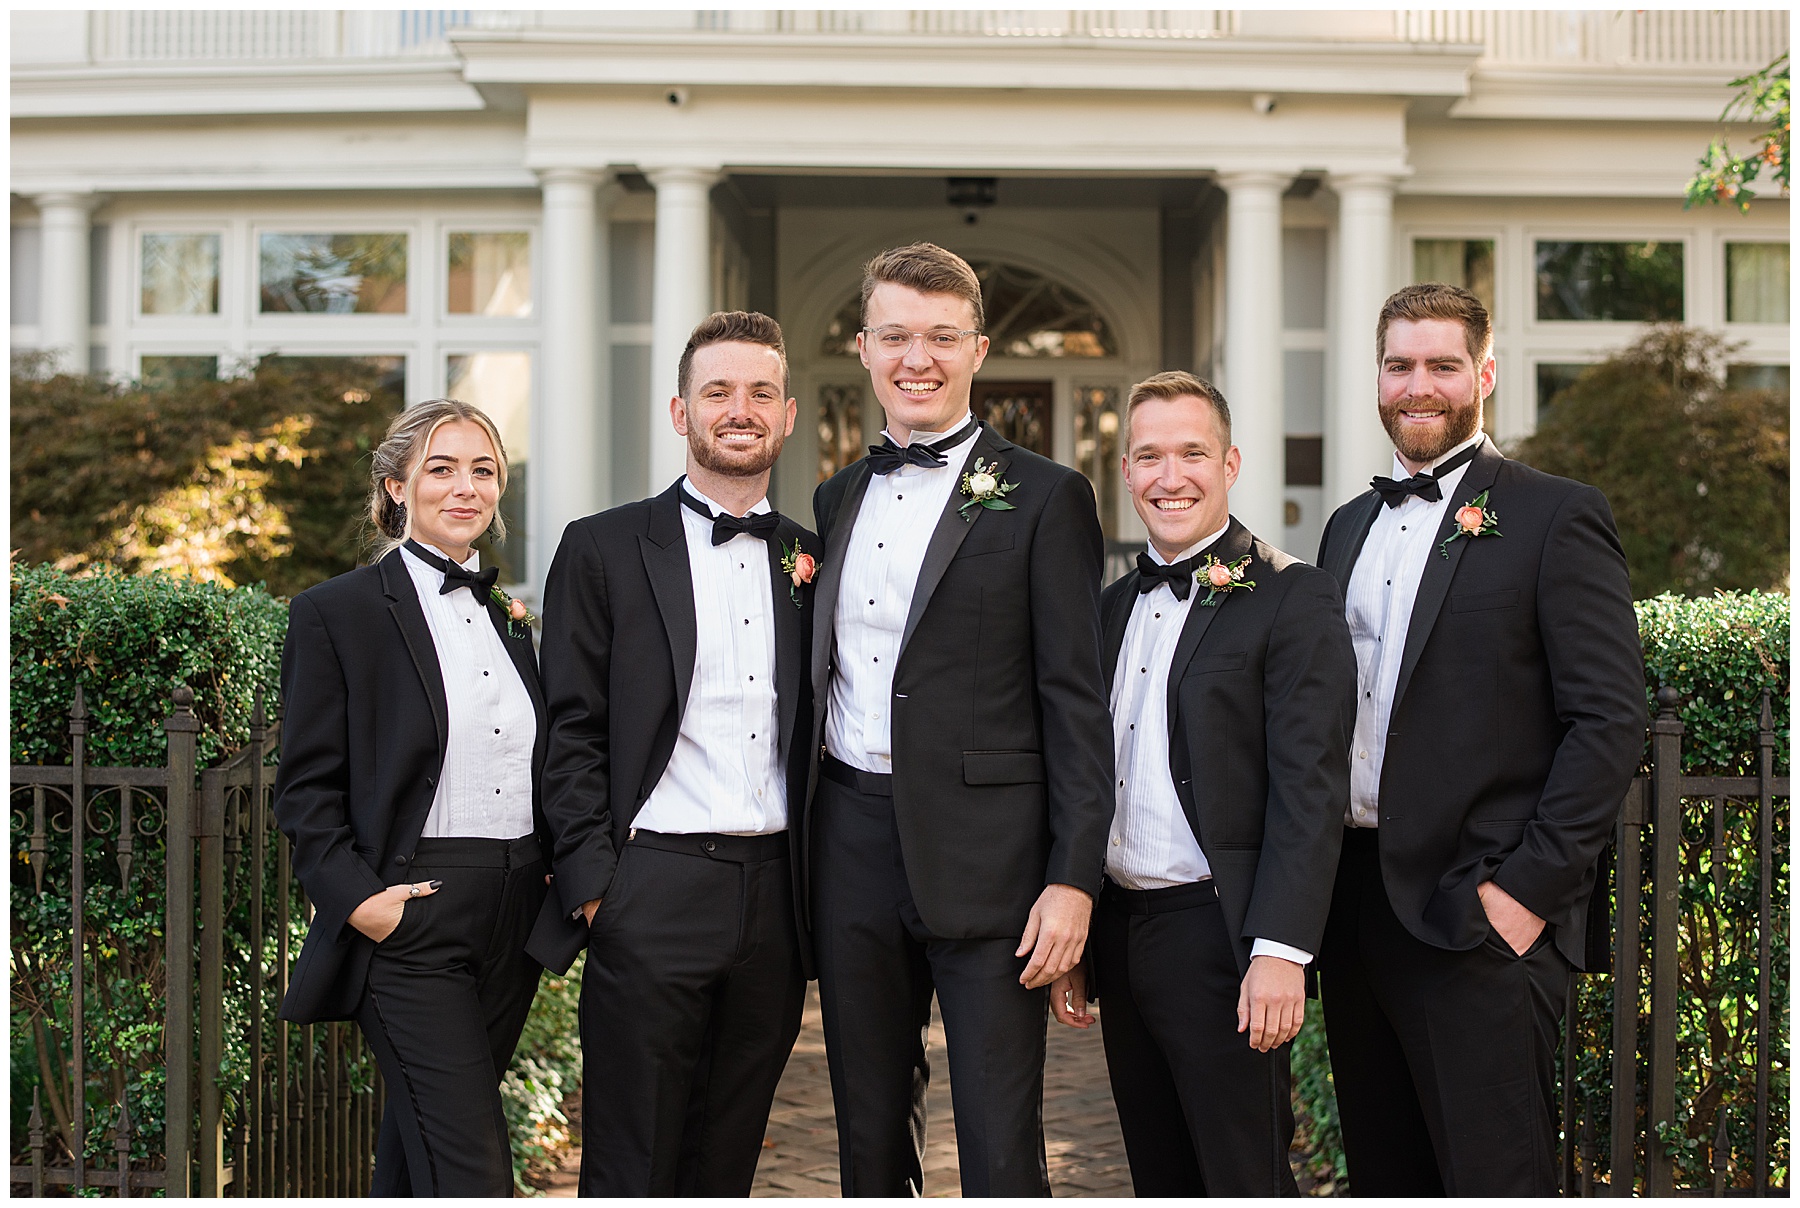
(1462,419)
(714,455)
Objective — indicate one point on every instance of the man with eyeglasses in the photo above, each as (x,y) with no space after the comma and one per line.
(964,795)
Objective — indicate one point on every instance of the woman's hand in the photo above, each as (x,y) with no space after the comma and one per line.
(380,913)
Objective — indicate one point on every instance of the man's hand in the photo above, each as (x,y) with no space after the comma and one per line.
(1517,926)
(1068,998)
(588,909)
(1055,934)
(380,913)
(1272,1001)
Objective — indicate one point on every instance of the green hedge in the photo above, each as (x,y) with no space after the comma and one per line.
(1721,653)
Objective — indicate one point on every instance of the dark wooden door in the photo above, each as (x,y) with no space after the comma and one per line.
(1019,411)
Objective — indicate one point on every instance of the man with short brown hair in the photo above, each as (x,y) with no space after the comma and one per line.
(1500,716)
(961,806)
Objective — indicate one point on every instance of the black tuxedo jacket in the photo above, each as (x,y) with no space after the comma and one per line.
(1262,703)
(1519,714)
(620,633)
(1002,745)
(364,723)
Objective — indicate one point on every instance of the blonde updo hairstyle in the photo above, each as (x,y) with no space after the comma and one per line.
(401,456)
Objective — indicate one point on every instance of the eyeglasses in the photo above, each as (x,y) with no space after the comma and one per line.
(941,342)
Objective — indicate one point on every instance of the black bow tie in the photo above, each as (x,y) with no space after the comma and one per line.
(726,526)
(455,576)
(1179,575)
(887,456)
(1425,486)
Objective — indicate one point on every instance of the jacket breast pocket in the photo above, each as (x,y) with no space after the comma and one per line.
(1481,601)
(997,540)
(1206,664)
(1003,767)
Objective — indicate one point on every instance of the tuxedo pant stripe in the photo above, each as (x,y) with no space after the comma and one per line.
(690,1005)
(447,997)
(879,968)
(1201,1112)
(1444,1061)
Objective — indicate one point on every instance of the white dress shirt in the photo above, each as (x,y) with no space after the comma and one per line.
(484,790)
(1152,844)
(881,567)
(724,775)
(1379,606)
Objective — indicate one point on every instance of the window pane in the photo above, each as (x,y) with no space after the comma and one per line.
(1465,262)
(180,275)
(379,380)
(1097,449)
(1756,283)
(490,274)
(500,384)
(1552,380)
(840,427)
(173,370)
(333,274)
(1757,377)
(1618,282)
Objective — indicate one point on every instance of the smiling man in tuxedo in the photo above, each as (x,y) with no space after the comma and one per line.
(1233,695)
(960,815)
(1500,716)
(676,635)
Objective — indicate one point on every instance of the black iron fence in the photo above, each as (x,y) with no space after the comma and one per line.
(1680,1040)
(229,1100)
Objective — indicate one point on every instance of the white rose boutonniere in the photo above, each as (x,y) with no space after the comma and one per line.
(983,488)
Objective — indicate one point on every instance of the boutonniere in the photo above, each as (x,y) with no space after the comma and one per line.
(518,617)
(1223,578)
(1473,519)
(799,566)
(983,486)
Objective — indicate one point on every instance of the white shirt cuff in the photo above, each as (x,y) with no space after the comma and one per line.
(1286,953)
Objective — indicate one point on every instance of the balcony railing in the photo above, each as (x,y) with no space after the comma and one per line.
(1644,39)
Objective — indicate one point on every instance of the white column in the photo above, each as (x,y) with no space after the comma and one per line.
(1356,447)
(571,460)
(682,297)
(1253,347)
(63,267)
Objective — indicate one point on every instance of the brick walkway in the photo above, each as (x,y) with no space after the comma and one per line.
(1081,1130)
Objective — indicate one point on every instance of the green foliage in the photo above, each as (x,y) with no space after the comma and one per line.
(1697,474)
(546,1067)
(1721,653)
(1722,176)
(262,477)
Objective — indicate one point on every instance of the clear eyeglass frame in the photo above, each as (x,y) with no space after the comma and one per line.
(941,342)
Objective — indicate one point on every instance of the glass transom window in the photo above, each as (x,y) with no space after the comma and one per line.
(489,274)
(1609,282)
(333,274)
(1468,263)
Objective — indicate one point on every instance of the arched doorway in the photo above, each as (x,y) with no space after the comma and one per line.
(1052,383)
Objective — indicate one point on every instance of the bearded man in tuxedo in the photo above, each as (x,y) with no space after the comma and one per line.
(960,816)
(1500,717)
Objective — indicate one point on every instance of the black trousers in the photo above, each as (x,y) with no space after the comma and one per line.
(447,997)
(689,1009)
(1202,1112)
(1445,1062)
(878,968)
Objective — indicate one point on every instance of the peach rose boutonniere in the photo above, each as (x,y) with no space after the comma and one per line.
(518,617)
(1222,578)
(799,566)
(1473,519)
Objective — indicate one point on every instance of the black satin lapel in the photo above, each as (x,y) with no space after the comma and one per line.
(1118,618)
(831,566)
(952,530)
(1229,548)
(1359,521)
(410,615)
(1434,585)
(665,554)
(790,652)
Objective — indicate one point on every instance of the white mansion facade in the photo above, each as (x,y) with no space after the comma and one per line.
(530,210)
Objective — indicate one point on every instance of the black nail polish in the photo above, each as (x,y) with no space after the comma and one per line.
(435,884)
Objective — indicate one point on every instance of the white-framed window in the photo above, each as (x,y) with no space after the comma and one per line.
(1468,262)
(179,273)
(314,270)
(489,274)
(1756,281)
(1584,278)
